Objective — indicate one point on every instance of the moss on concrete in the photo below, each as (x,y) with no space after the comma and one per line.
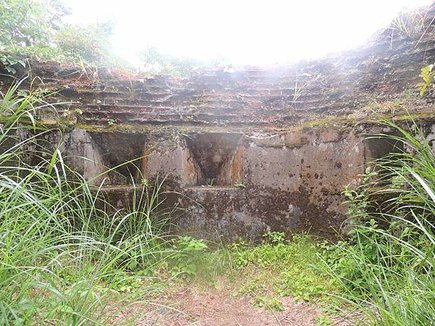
(342,123)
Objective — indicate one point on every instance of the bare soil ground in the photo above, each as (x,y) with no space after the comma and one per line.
(197,304)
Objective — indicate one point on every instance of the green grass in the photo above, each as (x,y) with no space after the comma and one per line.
(386,267)
(59,252)
(286,267)
(267,272)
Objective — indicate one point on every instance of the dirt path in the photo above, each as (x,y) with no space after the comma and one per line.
(215,306)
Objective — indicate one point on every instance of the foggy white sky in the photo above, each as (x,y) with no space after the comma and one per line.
(246,32)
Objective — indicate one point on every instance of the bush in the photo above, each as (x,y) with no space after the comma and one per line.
(33,29)
(89,43)
(29,22)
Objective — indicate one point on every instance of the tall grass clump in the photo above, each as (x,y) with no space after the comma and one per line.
(387,266)
(58,247)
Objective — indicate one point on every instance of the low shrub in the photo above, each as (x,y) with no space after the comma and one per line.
(387,265)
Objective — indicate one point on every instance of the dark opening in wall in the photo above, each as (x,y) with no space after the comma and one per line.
(217,158)
(121,153)
(381,148)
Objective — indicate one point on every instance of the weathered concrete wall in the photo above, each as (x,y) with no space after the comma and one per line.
(250,149)
(291,180)
(282,180)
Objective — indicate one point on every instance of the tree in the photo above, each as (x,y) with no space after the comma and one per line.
(89,43)
(29,22)
(34,29)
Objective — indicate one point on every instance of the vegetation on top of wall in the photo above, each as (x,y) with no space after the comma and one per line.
(31,29)
(411,24)
(428,83)
(89,43)
(29,23)
(34,29)
(157,62)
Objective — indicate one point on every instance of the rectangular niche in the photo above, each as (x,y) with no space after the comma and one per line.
(216,159)
(121,153)
(377,148)
(380,148)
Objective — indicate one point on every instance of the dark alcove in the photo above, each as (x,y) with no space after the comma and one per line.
(217,158)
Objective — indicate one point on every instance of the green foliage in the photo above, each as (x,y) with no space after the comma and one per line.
(323,321)
(157,62)
(428,76)
(29,22)
(11,61)
(269,302)
(188,256)
(273,249)
(274,252)
(303,285)
(33,29)
(89,43)
(358,200)
(275,238)
(290,267)
(27,29)
(389,259)
(58,248)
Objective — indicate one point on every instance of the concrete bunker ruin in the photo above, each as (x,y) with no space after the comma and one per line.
(247,149)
